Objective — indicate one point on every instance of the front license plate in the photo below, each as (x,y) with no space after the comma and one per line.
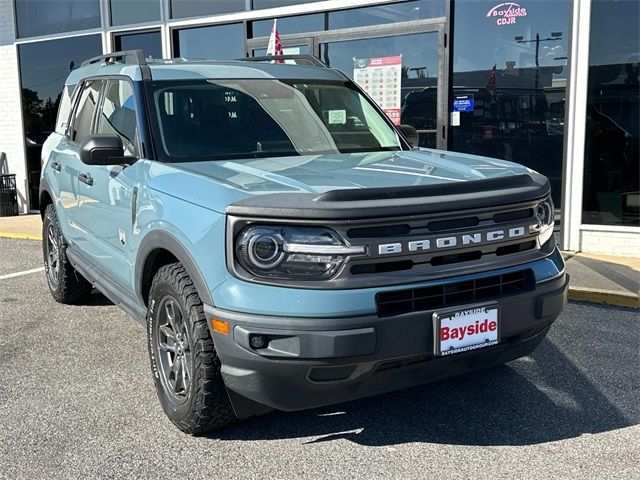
(459,331)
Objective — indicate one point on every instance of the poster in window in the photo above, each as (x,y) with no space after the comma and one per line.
(381,78)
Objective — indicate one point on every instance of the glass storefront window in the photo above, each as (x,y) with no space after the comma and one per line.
(149,42)
(611,194)
(509,81)
(289,25)
(217,42)
(194,8)
(416,99)
(260,4)
(395,12)
(45,17)
(125,12)
(44,67)
(289,50)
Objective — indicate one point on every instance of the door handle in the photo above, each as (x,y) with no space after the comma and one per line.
(86,178)
(56,166)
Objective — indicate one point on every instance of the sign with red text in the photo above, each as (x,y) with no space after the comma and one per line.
(465,330)
(381,78)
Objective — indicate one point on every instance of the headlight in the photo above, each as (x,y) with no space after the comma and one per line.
(545,220)
(304,253)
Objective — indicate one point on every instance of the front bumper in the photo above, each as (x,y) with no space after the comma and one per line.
(312,362)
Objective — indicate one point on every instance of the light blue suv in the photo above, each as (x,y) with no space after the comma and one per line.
(282,241)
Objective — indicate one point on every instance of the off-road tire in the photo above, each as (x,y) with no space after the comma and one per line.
(70,286)
(206,405)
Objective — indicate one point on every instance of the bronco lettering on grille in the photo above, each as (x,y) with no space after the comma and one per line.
(451,241)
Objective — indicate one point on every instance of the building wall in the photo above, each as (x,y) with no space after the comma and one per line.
(12,151)
(612,243)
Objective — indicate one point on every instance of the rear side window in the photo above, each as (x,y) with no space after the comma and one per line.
(118,115)
(62,123)
(85,111)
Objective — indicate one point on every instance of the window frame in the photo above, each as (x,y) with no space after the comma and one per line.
(94,124)
(79,89)
(103,78)
(59,118)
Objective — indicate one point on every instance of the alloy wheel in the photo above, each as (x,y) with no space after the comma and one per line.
(53,256)
(174,349)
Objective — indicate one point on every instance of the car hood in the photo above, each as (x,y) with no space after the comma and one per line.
(239,179)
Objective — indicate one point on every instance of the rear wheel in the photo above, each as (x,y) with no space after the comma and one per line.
(65,283)
(184,362)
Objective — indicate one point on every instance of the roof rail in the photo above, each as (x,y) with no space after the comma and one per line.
(308,60)
(129,57)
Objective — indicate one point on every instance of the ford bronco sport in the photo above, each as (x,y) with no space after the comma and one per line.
(282,241)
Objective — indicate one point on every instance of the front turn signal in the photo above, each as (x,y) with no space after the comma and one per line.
(220,326)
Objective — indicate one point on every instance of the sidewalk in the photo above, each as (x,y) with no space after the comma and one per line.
(604,279)
(26,227)
(594,278)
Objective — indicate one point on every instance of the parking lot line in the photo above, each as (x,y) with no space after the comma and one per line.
(20,274)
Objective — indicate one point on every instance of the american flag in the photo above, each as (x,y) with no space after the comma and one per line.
(275,45)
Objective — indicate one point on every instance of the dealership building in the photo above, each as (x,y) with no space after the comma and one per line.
(551,84)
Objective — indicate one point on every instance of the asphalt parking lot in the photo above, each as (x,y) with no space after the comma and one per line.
(77,401)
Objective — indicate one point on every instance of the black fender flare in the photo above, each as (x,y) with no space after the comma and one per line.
(156,239)
(45,188)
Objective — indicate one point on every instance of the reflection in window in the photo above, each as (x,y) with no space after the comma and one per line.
(289,25)
(44,17)
(124,12)
(612,158)
(118,114)
(396,12)
(81,124)
(260,4)
(290,50)
(218,42)
(509,81)
(418,72)
(149,42)
(194,8)
(44,67)
(205,120)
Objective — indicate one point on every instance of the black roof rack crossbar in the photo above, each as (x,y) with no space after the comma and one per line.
(129,57)
(308,60)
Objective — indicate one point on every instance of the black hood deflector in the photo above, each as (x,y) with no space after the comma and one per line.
(351,204)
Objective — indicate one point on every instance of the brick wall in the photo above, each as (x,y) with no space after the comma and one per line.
(12,151)
(613,243)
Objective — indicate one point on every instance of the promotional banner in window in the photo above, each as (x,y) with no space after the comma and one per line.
(381,78)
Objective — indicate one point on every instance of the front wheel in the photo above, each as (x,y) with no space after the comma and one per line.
(184,362)
(65,283)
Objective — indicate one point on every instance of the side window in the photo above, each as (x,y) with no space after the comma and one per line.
(85,110)
(118,114)
(65,109)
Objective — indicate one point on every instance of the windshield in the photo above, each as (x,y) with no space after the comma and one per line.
(220,119)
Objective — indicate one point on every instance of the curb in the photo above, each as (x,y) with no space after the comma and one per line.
(607,297)
(20,236)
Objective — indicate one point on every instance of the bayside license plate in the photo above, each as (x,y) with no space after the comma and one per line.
(459,331)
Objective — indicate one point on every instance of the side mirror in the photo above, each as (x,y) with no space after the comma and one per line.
(410,134)
(101,150)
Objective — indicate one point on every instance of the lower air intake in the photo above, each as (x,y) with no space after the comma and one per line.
(398,302)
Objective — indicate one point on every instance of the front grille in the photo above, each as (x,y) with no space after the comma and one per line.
(428,298)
